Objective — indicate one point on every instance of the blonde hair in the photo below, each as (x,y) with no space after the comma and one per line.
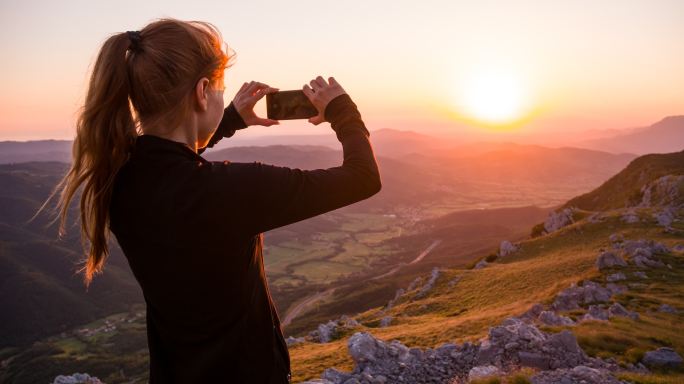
(132,85)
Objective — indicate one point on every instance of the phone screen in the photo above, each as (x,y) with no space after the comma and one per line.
(289,105)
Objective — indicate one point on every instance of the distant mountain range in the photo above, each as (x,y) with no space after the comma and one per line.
(665,136)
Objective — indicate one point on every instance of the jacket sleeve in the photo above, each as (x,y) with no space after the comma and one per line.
(230,122)
(274,196)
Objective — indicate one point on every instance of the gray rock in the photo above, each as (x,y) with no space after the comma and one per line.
(76,378)
(397,295)
(678,248)
(609,260)
(294,340)
(665,217)
(618,310)
(578,375)
(482,372)
(533,313)
(385,321)
(328,331)
(663,191)
(641,275)
(596,312)
(481,264)
(452,283)
(616,238)
(571,298)
(616,277)
(335,376)
(506,248)
(558,220)
(434,275)
(551,318)
(667,309)
(630,217)
(534,360)
(414,284)
(662,358)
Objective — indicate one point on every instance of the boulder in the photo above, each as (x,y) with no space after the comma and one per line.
(616,238)
(667,309)
(609,260)
(515,340)
(588,293)
(481,264)
(558,220)
(294,340)
(506,248)
(551,318)
(662,358)
(616,277)
(641,275)
(618,310)
(630,217)
(385,321)
(576,375)
(483,371)
(434,275)
(596,312)
(76,378)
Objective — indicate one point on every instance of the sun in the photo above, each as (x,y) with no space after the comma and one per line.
(493,97)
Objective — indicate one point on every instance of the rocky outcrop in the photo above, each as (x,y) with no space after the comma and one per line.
(516,343)
(642,253)
(663,191)
(578,375)
(482,372)
(76,378)
(329,331)
(552,318)
(377,361)
(630,216)
(434,275)
(506,248)
(290,340)
(662,358)
(588,293)
(609,259)
(559,219)
(509,346)
(665,308)
(616,277)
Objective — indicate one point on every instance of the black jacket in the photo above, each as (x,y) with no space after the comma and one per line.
(191,230)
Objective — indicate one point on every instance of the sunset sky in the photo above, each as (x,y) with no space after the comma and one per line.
(437,67)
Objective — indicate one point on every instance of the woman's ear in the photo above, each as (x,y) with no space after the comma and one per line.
(202,93)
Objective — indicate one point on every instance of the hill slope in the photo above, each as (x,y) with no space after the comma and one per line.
(466,305)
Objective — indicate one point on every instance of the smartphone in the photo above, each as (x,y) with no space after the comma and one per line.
(289,105)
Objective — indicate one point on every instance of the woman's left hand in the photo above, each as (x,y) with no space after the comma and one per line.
(247,97)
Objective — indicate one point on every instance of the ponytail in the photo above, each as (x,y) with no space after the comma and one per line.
(153,71)
(105,133)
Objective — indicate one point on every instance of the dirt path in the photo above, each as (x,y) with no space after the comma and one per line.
(303,305)
(420,257)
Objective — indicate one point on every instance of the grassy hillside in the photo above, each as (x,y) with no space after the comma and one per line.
(624,189)
(465,303)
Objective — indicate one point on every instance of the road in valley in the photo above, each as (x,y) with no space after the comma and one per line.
(306,303)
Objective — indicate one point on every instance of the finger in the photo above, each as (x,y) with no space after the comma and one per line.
(268,122)
(308,91)
(244,86)
(320,80)
(332,81)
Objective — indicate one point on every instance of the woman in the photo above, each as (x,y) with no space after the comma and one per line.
(191,229)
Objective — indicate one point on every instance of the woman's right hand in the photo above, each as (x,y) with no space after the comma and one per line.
(320,94)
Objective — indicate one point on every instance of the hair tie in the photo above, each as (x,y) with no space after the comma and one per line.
(135,38)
